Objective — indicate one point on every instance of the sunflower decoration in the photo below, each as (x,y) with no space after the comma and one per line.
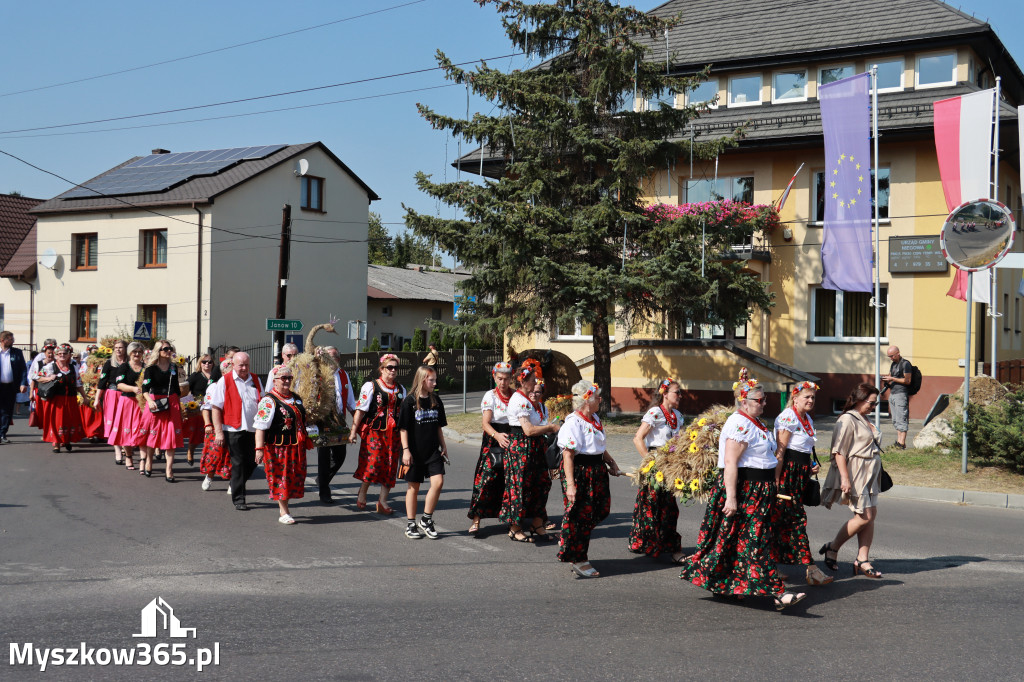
(559,407)
(189,408)
(687,465)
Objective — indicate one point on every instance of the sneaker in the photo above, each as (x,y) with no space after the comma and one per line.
(412,532)
(229,490)
(4,440)
(427,526)
(207,482)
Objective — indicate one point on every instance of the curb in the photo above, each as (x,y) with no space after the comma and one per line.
(972,497)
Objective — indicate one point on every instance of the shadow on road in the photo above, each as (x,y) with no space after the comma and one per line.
(911,566)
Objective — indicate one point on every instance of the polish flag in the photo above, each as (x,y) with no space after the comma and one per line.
(963,144)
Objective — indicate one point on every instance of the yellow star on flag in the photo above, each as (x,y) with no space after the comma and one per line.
(842,204)
(835,172)
(851,159)
(860,178)
(841,157)
(852,202)
(859,190)
(832,184)
(834,195)
(858,165)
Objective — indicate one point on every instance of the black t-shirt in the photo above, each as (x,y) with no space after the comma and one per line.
(898,370)
(197,385)
(161,382)
(422,421)
(124,374)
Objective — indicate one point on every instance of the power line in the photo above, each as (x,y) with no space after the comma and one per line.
(208,52)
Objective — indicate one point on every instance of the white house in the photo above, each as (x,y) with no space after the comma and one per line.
(401,300)
(190,242)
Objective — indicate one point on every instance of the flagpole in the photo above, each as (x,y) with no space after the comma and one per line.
(876,259)
(993,273)
(967,370)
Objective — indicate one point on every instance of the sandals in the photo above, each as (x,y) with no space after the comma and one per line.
(56,450)
(286,519)
(869,571)
(537,535)
(474,529)
(787,599)
(385,510)
(129,464)
(584,570)
(816,577)
(833,563)
(679,558)
(519,536)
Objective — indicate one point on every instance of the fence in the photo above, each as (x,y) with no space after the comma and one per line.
(1007,371)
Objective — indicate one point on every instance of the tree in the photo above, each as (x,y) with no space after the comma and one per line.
(381,250)
(546,239)
(411,249)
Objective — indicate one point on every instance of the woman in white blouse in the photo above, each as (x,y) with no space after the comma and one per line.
(527,482)
(656,512)
(489,479)
(585,466)
(794,433)
(733,556)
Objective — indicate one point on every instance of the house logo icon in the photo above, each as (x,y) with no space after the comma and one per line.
(158,619)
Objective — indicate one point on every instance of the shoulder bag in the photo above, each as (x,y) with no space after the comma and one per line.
(812,493)
(163,404)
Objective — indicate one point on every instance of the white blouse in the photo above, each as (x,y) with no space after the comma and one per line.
(265,412)
(366,394)
(579,435)
(519,407)
(499,410)
(660,432)
(760,450)
(800,440)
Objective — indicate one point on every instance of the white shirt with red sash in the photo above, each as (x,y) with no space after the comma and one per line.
(248,392)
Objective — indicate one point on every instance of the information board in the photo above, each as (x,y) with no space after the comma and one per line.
(916,254)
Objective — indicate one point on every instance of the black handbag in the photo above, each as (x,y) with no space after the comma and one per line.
(884,480)
(163,404)
(50,389)
(812,493)
(553,453)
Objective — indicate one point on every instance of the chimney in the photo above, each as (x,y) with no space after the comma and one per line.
(161,151)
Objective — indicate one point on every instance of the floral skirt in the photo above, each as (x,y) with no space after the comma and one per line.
(216,459)
(163,429)
(733,555)
(127,427)
(655,516)
(63,420)
(92,421)
(789,519)
(285,466)
(379,455)
(527,481)
(488,482)
(593,502)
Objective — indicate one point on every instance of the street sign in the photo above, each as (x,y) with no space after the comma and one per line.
(467,302)
(284,325)
(143,331)
(294,338)
(356,330)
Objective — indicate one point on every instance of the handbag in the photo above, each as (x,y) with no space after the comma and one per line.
(553,454)
(812,493)
(163,404)
(403,469)
(50,389)
(884,480)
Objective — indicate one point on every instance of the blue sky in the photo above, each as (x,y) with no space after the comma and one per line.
(382,139)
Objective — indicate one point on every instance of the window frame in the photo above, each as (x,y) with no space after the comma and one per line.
(903,74)
(839,314)
(89,320)
(729,92)
(90,240)
(711,103)
(389,343)
(918,85)
(813,222)
(838,65)
(685,189)
(305,194)
(146,241)
(152,315)
(789,100)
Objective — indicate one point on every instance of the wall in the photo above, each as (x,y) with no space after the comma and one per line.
(406,315)
(16,299)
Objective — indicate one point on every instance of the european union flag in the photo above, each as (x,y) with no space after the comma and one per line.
(846,252)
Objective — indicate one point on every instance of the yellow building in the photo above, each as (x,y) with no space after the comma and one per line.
(767,61)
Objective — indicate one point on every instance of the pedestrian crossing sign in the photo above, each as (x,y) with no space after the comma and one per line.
(143,331)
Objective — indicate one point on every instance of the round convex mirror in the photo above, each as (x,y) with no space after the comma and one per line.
(977,234)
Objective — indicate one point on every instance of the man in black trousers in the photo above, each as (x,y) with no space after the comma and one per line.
(233,400)
(13,380)
(331,457)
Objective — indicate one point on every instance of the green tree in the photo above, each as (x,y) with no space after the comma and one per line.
(410,248)
(546,239)
(381,249)
(435,336)
(419,340)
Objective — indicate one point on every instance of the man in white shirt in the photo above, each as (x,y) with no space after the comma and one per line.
(288,351)
(13,380)
(329,458)
(233,400)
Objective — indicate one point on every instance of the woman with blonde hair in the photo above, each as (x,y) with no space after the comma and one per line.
(421,421)
(107,394)
(161,390)
(656,512)
(586,465)
(733,556)
(194,427)
(376,421)
(489,477)
(854,479)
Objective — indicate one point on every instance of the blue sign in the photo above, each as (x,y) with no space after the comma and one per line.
(294,338)
(466,302)
(143,331)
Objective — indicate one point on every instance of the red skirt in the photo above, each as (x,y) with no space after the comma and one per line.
(37,416)
(216,459)
(127,427)
(285,466)
(163,429)
(194,430)
(379,455)
(92,421)
(63,420)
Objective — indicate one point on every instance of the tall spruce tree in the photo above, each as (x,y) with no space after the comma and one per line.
(563,234)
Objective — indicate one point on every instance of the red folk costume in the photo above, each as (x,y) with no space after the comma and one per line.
(283,422)
(380,449)
(62,420)
(216,459)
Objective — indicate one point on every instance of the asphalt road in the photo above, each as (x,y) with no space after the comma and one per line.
(85,546)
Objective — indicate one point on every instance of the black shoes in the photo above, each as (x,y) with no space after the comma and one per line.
(241,506)
(327,500)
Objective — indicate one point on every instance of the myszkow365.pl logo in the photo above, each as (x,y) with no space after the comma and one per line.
(158,620)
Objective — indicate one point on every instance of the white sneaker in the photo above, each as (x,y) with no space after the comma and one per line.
(207,482)
(229,490)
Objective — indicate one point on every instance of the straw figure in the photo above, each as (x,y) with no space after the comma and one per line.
(314,383)
(686,465)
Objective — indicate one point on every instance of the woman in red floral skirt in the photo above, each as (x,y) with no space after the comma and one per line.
(215,458)
(733,556)
(281,442)
(376,421)
(656,513)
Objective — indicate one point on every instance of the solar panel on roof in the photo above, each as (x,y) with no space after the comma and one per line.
(160,172)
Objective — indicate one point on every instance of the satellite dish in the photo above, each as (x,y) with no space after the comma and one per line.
(48,259)
(977,234)
(301,167)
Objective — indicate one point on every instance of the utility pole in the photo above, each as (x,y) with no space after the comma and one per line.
(284,257)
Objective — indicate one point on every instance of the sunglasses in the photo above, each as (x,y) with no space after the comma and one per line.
(392,368)
(206,362)
(284,378)
(872,403)
(759,401)
(166,349)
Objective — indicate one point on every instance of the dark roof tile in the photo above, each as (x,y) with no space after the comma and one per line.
(15,225)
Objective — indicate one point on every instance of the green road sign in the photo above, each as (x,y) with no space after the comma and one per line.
(284,325)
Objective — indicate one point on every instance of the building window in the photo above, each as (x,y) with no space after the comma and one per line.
(153,249)
(85,251)
(789,86)
(845,316)
(386,341)
(667,97)
(156,315)
(935,70)
(85,323)
(435,313)
(818,195)
(385,311)
(738,188)
(890,75)
(831,74)
(745,91)
(706,92)
(1006,312)
(312,193)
